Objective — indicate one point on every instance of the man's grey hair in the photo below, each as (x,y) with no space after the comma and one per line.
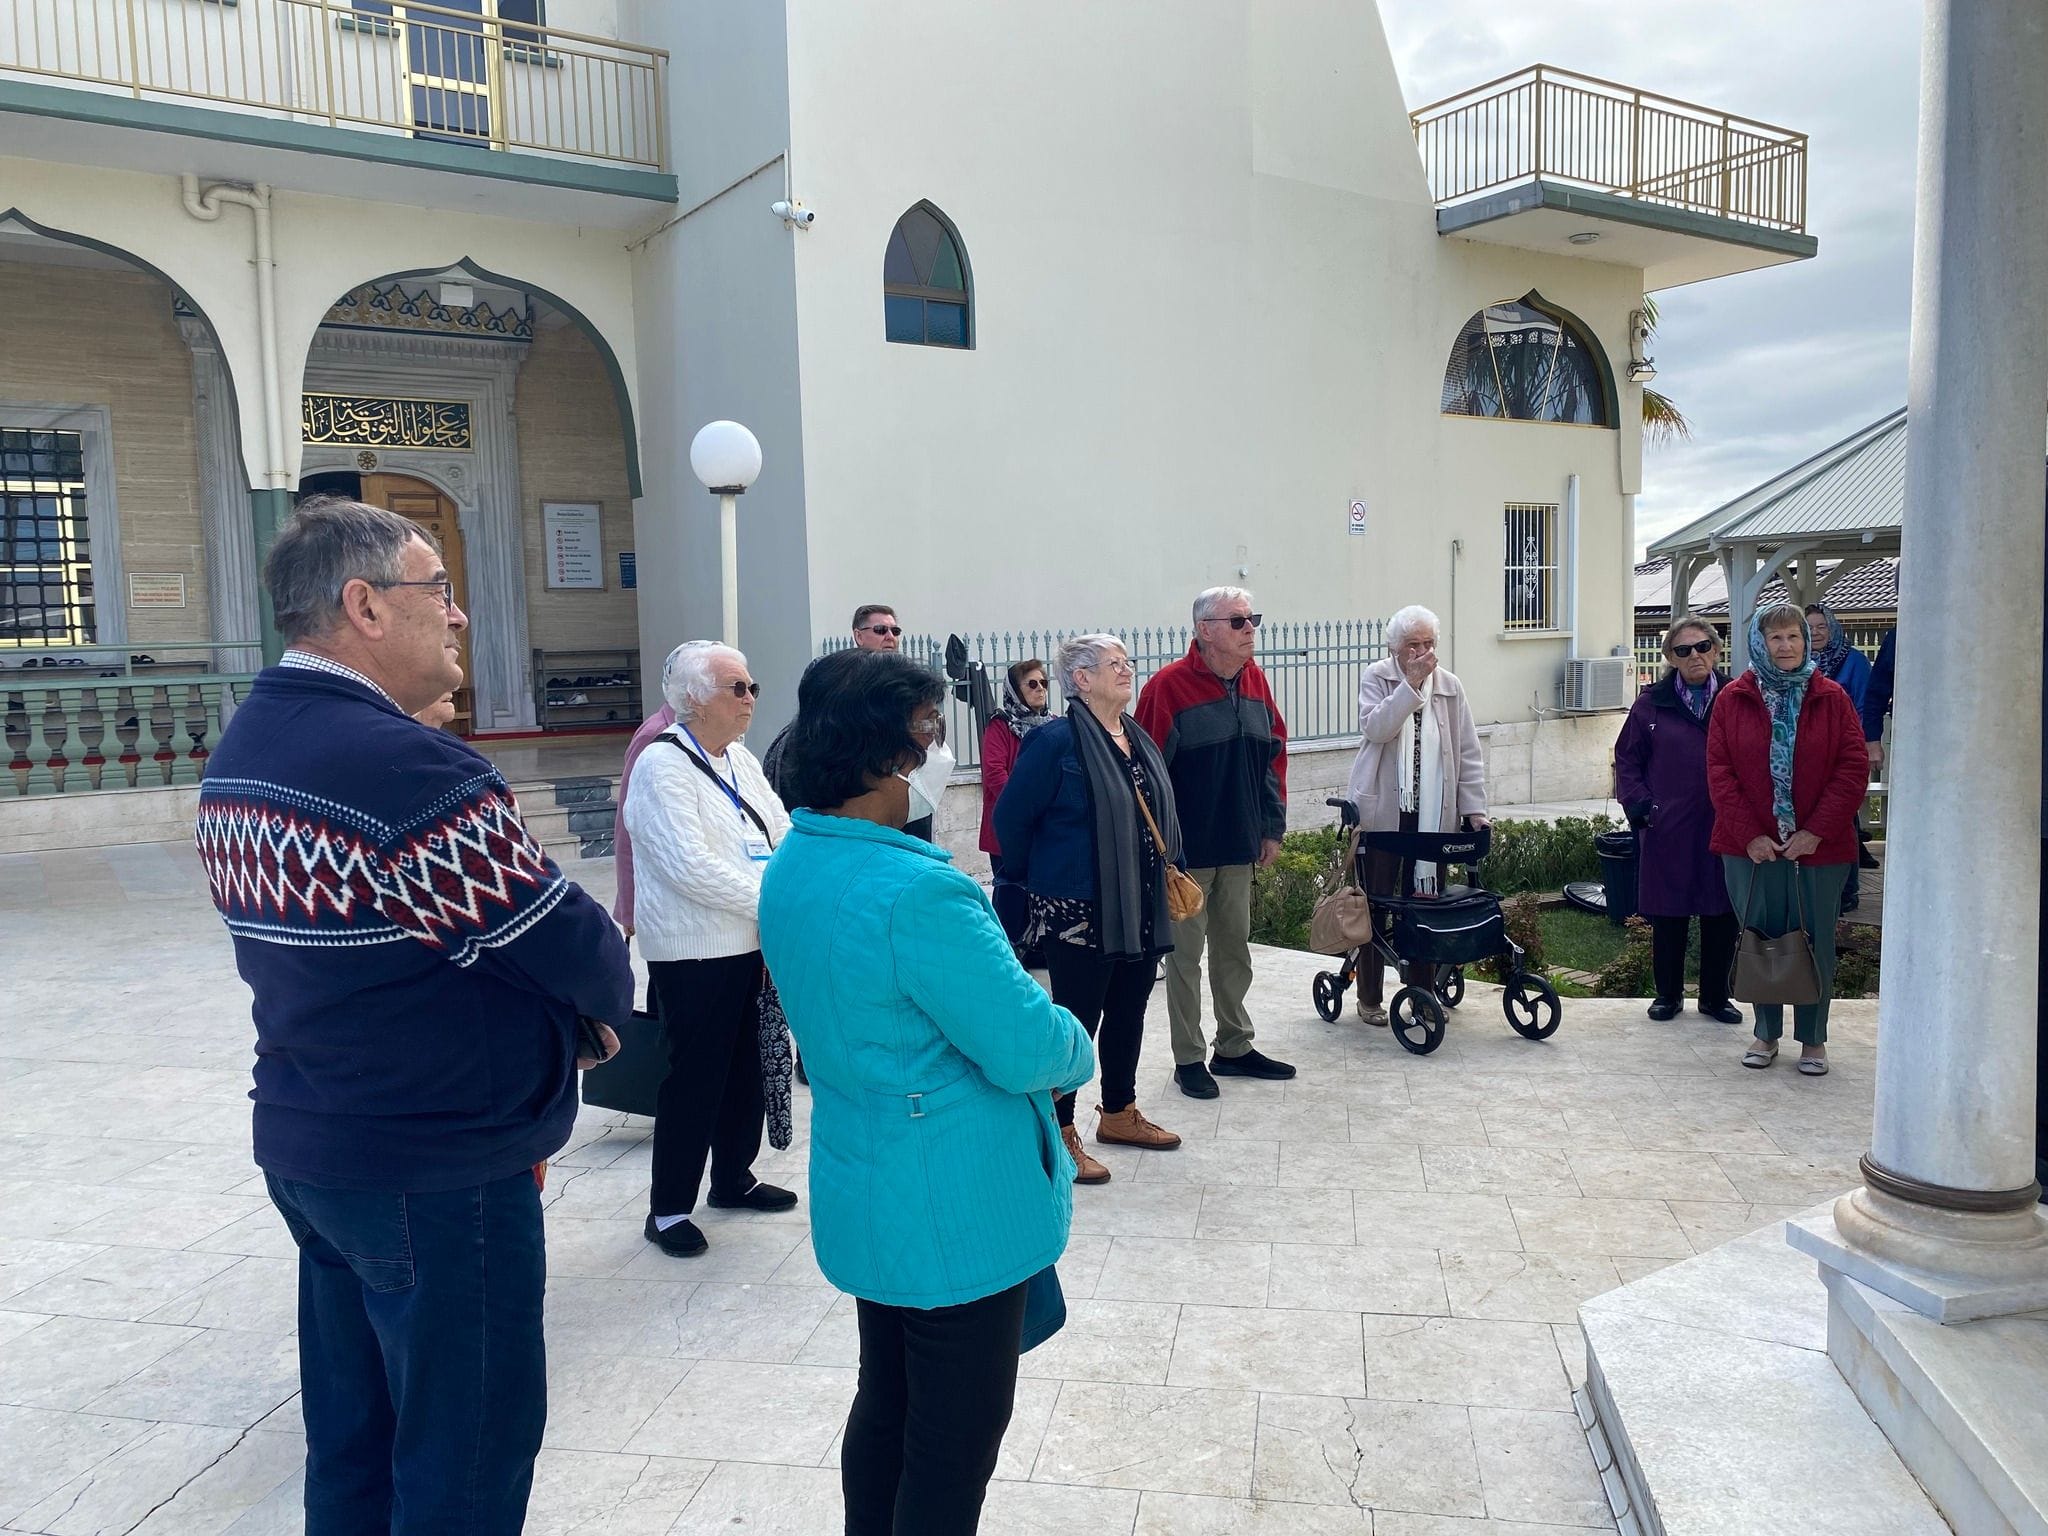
(325,544)
(686,678)
(1690,621)
(1080,654)
(1406,621)
(1207,603)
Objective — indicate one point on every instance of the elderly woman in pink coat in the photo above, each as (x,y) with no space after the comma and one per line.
(1418,768)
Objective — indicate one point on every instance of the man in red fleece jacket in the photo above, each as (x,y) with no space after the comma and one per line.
(1219,729)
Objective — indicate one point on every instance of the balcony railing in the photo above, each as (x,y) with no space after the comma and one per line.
(1554,124)
(426,71)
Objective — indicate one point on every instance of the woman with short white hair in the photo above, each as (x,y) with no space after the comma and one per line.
(703,822)
(1418,768)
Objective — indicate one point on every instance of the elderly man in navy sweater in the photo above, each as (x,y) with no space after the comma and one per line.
(420,968)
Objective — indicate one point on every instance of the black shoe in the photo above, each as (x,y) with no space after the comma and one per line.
(681,1241)
(801,1075)
(1195,1081)
(1251,1064)
(762,1197)
(1664,1008)
(1722,1013)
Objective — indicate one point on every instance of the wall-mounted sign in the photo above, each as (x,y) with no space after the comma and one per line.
(156,589)
(572,544)
(1356,524)
(629,571)
(378,421)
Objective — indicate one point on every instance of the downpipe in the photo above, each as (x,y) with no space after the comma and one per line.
(207,207)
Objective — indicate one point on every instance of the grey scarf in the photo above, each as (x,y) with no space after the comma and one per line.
(1121,833)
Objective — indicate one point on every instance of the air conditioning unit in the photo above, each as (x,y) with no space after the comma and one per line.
(1599,682)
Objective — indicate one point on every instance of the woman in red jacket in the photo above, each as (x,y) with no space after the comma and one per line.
(1786,770)
(1027,704)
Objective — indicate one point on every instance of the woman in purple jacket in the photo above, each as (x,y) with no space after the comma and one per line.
(1660,778)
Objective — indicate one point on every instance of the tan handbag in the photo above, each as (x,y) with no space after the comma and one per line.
(1342,920)
(1183,896)
(1779,970)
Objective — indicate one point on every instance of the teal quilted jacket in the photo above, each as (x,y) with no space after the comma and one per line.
(937,1173)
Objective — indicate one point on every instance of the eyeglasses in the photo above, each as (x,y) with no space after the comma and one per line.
(1034,684)
(1697,648)
(444,586)
(891,630)
(925,730)
(1116,664)
(1238,620)
(746,690)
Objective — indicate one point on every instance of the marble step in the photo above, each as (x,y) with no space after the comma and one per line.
(1714,1410)
(572,816)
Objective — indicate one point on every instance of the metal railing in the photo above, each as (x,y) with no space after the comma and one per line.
(1312,668)
(1548,122)
(427,71)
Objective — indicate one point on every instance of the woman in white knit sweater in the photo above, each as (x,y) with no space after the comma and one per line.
(703,822)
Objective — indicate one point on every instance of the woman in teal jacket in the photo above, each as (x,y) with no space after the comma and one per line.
(939,1185)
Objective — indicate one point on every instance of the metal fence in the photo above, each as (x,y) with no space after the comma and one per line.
(1312,667)
(1650,662)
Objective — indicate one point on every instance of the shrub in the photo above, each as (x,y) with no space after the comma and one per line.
(1522,915)
(1630,973)
(1285,892)
(1858,950)
(1543,856)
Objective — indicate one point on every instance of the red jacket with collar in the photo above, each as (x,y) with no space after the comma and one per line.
(1830,769)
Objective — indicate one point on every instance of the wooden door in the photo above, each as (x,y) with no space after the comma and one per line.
(435,513)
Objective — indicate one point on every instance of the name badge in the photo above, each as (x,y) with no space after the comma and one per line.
(757,848)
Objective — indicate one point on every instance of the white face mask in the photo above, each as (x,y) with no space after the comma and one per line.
(920,803)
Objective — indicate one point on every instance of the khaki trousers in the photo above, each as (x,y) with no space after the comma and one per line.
(1224,927)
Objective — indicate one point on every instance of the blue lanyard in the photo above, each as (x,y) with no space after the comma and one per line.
(731,789)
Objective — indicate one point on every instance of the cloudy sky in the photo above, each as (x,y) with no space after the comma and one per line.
(1770,366)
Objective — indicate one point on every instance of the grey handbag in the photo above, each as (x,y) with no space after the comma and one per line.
(1775,970)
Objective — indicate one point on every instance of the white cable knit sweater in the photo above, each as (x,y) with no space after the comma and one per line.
(695,888)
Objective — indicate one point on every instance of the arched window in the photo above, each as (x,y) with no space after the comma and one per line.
(927,299)
(1523,361)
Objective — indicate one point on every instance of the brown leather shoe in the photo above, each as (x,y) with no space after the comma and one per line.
(1086,1169)
(1129,1128)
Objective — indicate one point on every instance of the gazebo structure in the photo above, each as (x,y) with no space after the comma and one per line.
(1809,528)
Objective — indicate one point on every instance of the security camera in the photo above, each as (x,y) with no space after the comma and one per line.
(794,214)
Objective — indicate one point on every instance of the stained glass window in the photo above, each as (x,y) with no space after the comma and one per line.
(46,595)
(1517,362)
(926,297)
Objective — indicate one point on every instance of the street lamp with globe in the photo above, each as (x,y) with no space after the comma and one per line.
(727,458)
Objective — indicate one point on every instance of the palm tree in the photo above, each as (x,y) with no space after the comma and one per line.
(1663,421)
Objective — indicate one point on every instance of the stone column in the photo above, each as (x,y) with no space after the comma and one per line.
(1946,1221)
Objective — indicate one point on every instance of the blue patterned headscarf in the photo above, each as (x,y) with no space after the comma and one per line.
(1785,693)
(1828,658)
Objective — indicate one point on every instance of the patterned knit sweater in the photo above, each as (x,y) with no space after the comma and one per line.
(418,962)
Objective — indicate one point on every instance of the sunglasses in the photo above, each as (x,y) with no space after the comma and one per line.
(890,630)
(1034,683)
(746,690)
(1239,620)
(1697,648)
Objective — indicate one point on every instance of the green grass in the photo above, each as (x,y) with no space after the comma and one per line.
(1578,941)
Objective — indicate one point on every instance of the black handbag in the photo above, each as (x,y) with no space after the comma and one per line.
(631,1079)
(1775,970)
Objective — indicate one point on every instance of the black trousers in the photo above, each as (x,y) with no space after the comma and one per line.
(1668,939)
(710,1102)
(1381,876)
(1108,997)
(936,1389)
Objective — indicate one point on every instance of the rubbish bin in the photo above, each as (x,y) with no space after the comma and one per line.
(1617,852)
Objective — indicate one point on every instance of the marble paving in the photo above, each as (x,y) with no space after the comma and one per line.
(1347,1305)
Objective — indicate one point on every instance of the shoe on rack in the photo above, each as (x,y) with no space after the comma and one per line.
(762,1197)
(1663,1008)
(1128,1127)
(1722,1013)
(681,1241)
(1086,1169)
(1195,1081)
(1251,1064)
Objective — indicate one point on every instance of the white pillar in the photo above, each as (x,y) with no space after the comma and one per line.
(1946,1221)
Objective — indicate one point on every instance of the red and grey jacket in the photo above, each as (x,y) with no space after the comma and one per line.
(1226,747)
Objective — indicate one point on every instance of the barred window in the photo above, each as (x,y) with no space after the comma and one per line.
(46,595)
(1531,565)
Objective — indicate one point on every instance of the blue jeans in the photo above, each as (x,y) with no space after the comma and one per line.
(421,1367)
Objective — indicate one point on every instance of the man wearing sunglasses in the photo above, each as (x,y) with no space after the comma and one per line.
(875,628)
(1219,728)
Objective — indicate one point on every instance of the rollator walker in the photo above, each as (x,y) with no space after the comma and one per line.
(1457,926)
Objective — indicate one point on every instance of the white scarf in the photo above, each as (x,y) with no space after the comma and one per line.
(1425,799)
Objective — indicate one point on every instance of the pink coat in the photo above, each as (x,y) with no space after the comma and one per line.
(622,845)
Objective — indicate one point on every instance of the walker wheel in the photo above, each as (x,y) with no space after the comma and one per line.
(1531,1004)
(1417,1019)
(1450,985)
(1329,995)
